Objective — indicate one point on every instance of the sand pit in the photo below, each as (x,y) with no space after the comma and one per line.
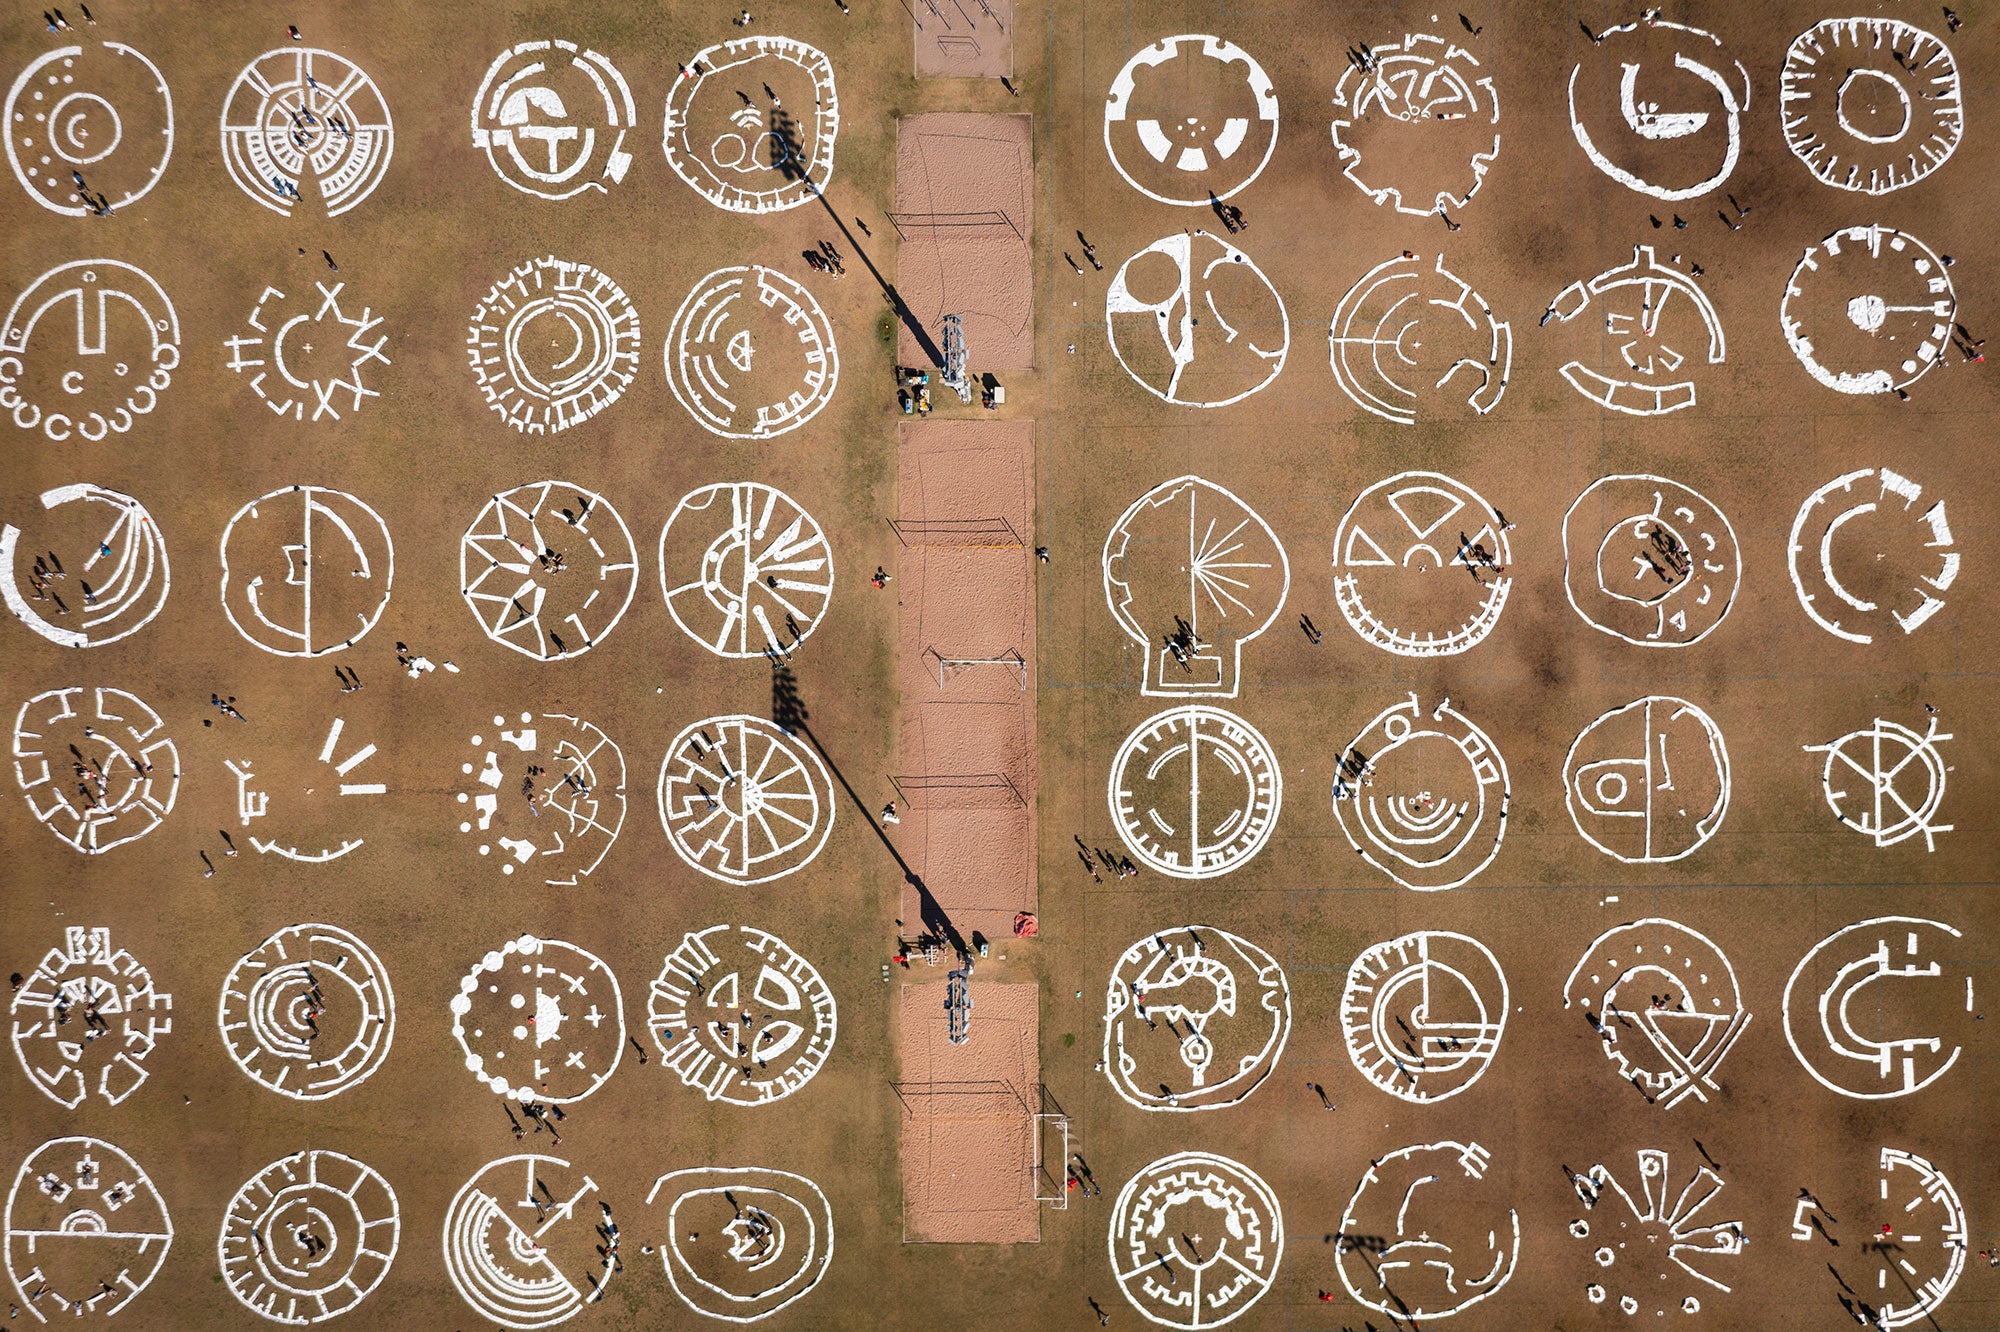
(965,215)
(968,1117)
(966,775)
(964,39)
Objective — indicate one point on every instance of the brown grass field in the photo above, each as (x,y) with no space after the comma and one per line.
(420,249)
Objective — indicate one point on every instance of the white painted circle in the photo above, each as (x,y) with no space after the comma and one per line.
(743,801)
(114,545)
(130,765)
(750,354)
(1242,1228)
(279,127)
(309,1237)
(308,1013)
(522,599)
(750,157)
(306,570)
(85,126)
(109,348)
(1197,1011)
(1182,121)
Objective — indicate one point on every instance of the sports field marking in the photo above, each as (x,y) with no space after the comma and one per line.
(121,779)
(1648,782)
(308,1237)
(1195,1018)
(545,143)
(741,1017)
(1693,97)
(1426,1234)
(308,1013)
(111,349)
(540,1020)
(1192,573)
(124,560)
(1864,1008)
(87,1019)
(104,109)
(1870,104)
(302,122)
(1664,1003)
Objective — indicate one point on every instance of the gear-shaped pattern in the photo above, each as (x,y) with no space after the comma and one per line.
(289,372)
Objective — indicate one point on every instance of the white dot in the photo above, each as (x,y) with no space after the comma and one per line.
(520,1033)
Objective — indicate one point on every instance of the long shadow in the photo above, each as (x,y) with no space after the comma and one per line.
(793,166)
(788,710)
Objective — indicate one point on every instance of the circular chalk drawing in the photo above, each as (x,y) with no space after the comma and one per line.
(1189,557)
(1402,335)
(744,156)
(1195,1240)
(1648,782)
(1415,129)
(308,1013)
(1665,1004)
(1913,554)
(1868,310)
(86,1020)
(102,112)
(553,344)
(741,1017)
(1651,335)
(1194,1019)
(553,119)
(302,350)
(548,568)
(1649,560)
(1920,1262)
(1661,1232)
(306,570)
(298,829)
(1407,565)
(88,347)
(1190,118)
(552,1006)
(745,570)
(86,1230)
(1882,1008)
(1675,130)
(1887,781)
(309,1237)
(117,552)
(1423,1014)
(772,1239)
(96,765)
(750,354)
(743,800)
(1871,104)
(1447,1238)
(572,783)
(521,1242)
(1195,322)
(1195,792)
(1441,812)
(304,121)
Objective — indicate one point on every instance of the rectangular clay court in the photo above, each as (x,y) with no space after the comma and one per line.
(887,664)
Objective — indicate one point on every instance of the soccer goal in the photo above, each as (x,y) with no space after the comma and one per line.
(992,221)
(993,532)
(1052,1131)
(945,666)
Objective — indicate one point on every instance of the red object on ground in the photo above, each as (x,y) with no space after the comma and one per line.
(1025,926)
